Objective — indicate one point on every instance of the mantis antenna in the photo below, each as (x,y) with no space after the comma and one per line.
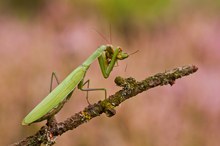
(134,52)
(104,37)
(130,55)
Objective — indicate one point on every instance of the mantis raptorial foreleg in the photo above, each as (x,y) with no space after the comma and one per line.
(107,62)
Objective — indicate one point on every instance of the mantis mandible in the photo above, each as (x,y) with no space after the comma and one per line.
(54,101)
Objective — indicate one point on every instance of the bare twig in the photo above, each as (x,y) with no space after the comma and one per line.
(131,88)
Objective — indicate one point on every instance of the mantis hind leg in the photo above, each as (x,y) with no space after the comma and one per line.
(81,85)
(51,84)
(51,115)
(53,75)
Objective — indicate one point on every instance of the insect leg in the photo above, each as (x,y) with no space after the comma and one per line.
(51,81)
(81,85)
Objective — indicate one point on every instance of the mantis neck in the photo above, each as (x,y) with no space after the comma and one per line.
(94,56)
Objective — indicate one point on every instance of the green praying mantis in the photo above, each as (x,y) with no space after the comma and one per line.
(54,101)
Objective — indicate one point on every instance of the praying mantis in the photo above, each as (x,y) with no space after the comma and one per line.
(107,57)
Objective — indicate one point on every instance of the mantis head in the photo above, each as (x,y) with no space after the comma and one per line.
(110,52)
(121,55)
(109,58)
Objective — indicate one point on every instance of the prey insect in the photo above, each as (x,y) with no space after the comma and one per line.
(54,101)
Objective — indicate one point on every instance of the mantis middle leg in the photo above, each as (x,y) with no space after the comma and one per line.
(81,85)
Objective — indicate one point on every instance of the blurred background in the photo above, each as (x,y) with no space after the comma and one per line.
(38,37)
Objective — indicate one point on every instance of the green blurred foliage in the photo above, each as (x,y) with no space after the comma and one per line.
(22,8)
(116,11)
(132,10)
(126,16)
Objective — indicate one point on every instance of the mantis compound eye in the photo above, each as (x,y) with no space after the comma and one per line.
(122,55)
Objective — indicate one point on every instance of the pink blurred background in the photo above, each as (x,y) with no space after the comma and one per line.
(38,37)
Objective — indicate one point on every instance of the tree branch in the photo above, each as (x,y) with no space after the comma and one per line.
(131,88)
